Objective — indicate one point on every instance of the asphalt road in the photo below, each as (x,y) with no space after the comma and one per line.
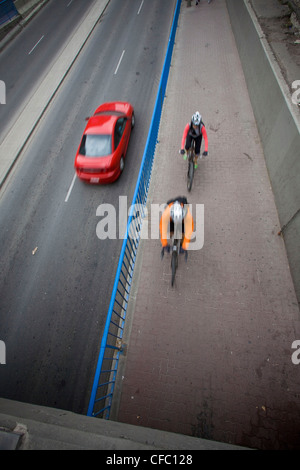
(26,60)
(56,276)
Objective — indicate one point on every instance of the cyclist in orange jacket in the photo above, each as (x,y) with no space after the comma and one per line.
(176,212)
(194,130)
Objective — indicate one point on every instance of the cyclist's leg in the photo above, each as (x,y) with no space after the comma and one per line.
(171,234)
(188,143)
(198,142)
(171,228)
(182,234)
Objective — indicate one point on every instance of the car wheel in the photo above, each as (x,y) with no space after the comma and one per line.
(122,164)
(132,121)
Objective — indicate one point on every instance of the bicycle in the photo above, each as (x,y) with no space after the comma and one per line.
(191,168)
(175,249)
(176,243)
(191,164)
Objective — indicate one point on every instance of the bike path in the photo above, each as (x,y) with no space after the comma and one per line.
(211,357)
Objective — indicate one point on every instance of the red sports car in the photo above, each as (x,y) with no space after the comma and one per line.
(101,154)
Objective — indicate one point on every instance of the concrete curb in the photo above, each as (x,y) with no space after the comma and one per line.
(26,123)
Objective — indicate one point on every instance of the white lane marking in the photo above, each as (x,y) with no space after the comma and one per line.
(36,44)
(116,71)
(69,3)
(141,5)
(71,187)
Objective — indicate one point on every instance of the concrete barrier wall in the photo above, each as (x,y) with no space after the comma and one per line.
(20,4)
(277,122)
(25,7)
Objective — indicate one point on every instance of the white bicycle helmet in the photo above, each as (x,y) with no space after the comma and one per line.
(176,212)
(196,118)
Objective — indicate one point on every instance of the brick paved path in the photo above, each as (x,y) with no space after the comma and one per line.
(212,356)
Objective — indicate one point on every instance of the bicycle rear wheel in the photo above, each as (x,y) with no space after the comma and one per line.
(174,262)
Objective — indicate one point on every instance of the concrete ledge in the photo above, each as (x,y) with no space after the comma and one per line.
(26,7)
(42,428)
(278,124)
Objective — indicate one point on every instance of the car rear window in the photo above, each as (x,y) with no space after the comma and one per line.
(95,145)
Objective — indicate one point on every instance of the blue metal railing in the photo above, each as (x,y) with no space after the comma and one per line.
(7,11)
(111,344)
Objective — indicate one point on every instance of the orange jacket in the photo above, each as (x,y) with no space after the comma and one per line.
(164,224)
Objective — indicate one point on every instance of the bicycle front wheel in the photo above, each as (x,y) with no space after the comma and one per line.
(173,266)
(190,175)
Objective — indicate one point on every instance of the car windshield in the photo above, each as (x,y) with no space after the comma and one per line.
(95,145)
